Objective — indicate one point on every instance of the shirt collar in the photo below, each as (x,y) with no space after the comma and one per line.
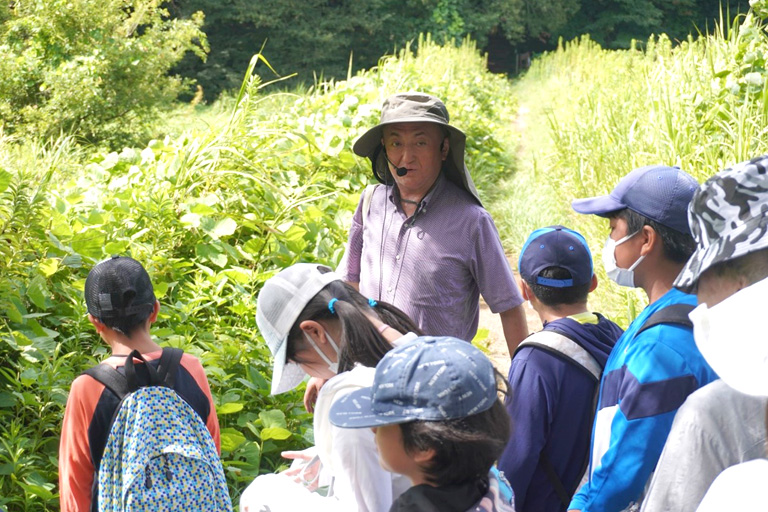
(432,195)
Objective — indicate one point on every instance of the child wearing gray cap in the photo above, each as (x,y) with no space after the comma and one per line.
(438,420)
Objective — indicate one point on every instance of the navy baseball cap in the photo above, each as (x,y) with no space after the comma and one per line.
(427,379)
(556,246)
(658,192)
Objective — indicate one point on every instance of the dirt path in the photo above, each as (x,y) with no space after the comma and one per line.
(495,341)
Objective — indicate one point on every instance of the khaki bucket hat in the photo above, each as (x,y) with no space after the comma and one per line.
(416,107)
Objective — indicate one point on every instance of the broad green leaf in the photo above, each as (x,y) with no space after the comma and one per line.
(224,227)
(191,220)
(276,433)
(116,246)
(229,408)
(231,439)
(202,209)
(48,266)
(38,292)
(7,399)
(272,418)
(90,243)
(212,253)
(5,179)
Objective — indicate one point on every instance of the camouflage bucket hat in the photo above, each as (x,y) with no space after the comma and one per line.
(416,107)
(728,216)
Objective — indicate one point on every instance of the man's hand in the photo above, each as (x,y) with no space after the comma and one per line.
(310,395)
(515,327)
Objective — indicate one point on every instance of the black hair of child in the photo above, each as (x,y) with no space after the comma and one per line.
(552,296)
(678,247)
(465,448)
(360,341)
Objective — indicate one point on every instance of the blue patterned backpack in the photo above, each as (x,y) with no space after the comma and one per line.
(159,455)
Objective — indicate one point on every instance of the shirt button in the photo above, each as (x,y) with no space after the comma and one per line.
(389,290)
(397,257)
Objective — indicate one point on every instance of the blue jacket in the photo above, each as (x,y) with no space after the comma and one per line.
(551,407)
(644,382)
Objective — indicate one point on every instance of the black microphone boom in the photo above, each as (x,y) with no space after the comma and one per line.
(401,171)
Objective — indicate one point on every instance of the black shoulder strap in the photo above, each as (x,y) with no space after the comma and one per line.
(673,314)
(121,384)
(169,362)
(565,497)
(111,378)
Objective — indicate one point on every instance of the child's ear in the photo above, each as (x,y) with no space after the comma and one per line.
(422,457)
(315,330)
(526,290)
(155,311)
(593,285)
(98,324)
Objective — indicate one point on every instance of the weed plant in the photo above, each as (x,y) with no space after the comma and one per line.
(211,214)
(595,115)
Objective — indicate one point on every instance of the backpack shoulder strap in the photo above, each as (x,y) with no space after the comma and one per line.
(169,363)
(554,341)
(111,378)
(672,314)
(367,197)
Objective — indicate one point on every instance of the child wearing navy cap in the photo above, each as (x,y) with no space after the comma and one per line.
(437,418)
(555,372)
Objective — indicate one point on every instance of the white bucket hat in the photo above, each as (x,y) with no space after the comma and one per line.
(281,301)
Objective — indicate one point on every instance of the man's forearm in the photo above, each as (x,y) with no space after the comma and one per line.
(515,327)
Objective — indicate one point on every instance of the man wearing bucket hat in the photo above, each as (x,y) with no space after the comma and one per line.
(723,423)
(422,241)
(655,364)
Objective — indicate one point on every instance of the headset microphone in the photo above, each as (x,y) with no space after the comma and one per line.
(401,171)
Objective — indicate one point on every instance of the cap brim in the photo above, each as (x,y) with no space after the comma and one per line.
(354,410)
(285,375)
(602,205)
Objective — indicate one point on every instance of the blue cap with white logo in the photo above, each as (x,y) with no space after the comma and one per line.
(658,192)
(556,246)
(428,379)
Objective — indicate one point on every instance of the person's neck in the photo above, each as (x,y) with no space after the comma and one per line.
(123,345)
(550,314)
(657,285)
(410,199)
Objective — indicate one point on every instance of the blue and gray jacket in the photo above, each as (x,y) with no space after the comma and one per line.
(647,377)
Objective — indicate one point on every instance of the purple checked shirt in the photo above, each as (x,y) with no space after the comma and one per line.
(434,264)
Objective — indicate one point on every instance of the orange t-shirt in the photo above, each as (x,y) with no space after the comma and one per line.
(87,419)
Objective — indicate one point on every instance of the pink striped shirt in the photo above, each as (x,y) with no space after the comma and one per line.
(434,264)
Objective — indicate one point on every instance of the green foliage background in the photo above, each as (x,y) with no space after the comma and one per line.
(593,115)
(211,215)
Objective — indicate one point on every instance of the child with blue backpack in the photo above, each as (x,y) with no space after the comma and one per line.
(437,417)
(140,430)
(555,373)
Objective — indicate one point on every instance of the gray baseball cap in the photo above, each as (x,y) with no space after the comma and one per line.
(416,107)
(728,216)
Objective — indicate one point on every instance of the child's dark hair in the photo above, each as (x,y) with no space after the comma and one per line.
(127,324)
(465,448)
(677,246)
(360,341)
(552,296)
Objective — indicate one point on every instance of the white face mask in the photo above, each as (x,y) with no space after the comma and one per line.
(620,276)
(334,367)
(731,339)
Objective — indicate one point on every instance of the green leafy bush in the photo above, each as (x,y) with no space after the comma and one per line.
(212,215)
(95,68)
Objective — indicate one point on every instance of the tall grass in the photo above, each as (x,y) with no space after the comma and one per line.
(598,114)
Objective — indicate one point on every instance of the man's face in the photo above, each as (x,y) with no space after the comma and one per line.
(417,147)
(714,288)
